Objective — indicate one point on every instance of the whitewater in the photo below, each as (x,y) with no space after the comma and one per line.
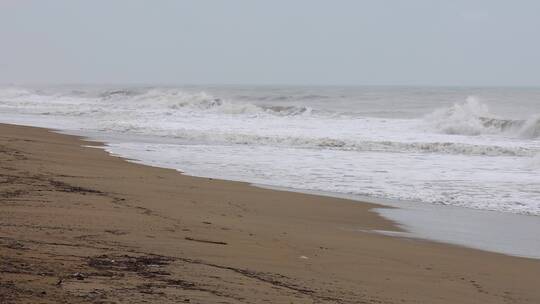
(470,147)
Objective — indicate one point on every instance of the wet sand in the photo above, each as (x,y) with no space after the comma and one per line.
(80,226)
(500,232)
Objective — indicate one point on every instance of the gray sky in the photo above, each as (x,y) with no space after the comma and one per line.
(378,42)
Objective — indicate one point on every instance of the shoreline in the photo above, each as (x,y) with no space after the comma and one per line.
(82,226)
(454,225)
(447,224)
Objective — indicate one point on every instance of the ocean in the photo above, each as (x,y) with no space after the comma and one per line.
(469,147)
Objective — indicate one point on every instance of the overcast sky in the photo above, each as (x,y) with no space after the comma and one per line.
(378,42)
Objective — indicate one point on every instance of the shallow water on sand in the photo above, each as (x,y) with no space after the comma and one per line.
(506,233)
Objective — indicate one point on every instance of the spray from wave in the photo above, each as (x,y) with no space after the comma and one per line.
(178,100)
(474,118)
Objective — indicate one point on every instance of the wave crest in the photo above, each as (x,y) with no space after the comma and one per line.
(202,101)
(474,118)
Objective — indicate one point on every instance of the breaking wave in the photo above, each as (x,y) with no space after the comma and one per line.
(172,99)
(126,99)
(474,118)
(340,144)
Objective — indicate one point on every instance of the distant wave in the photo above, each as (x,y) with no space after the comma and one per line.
(156,99)
(118,93)
(13,92)
(474,118)
(174,99)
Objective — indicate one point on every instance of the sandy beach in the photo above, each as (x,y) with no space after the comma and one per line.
(80,226)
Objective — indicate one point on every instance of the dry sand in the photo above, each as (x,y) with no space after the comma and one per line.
(80,226)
